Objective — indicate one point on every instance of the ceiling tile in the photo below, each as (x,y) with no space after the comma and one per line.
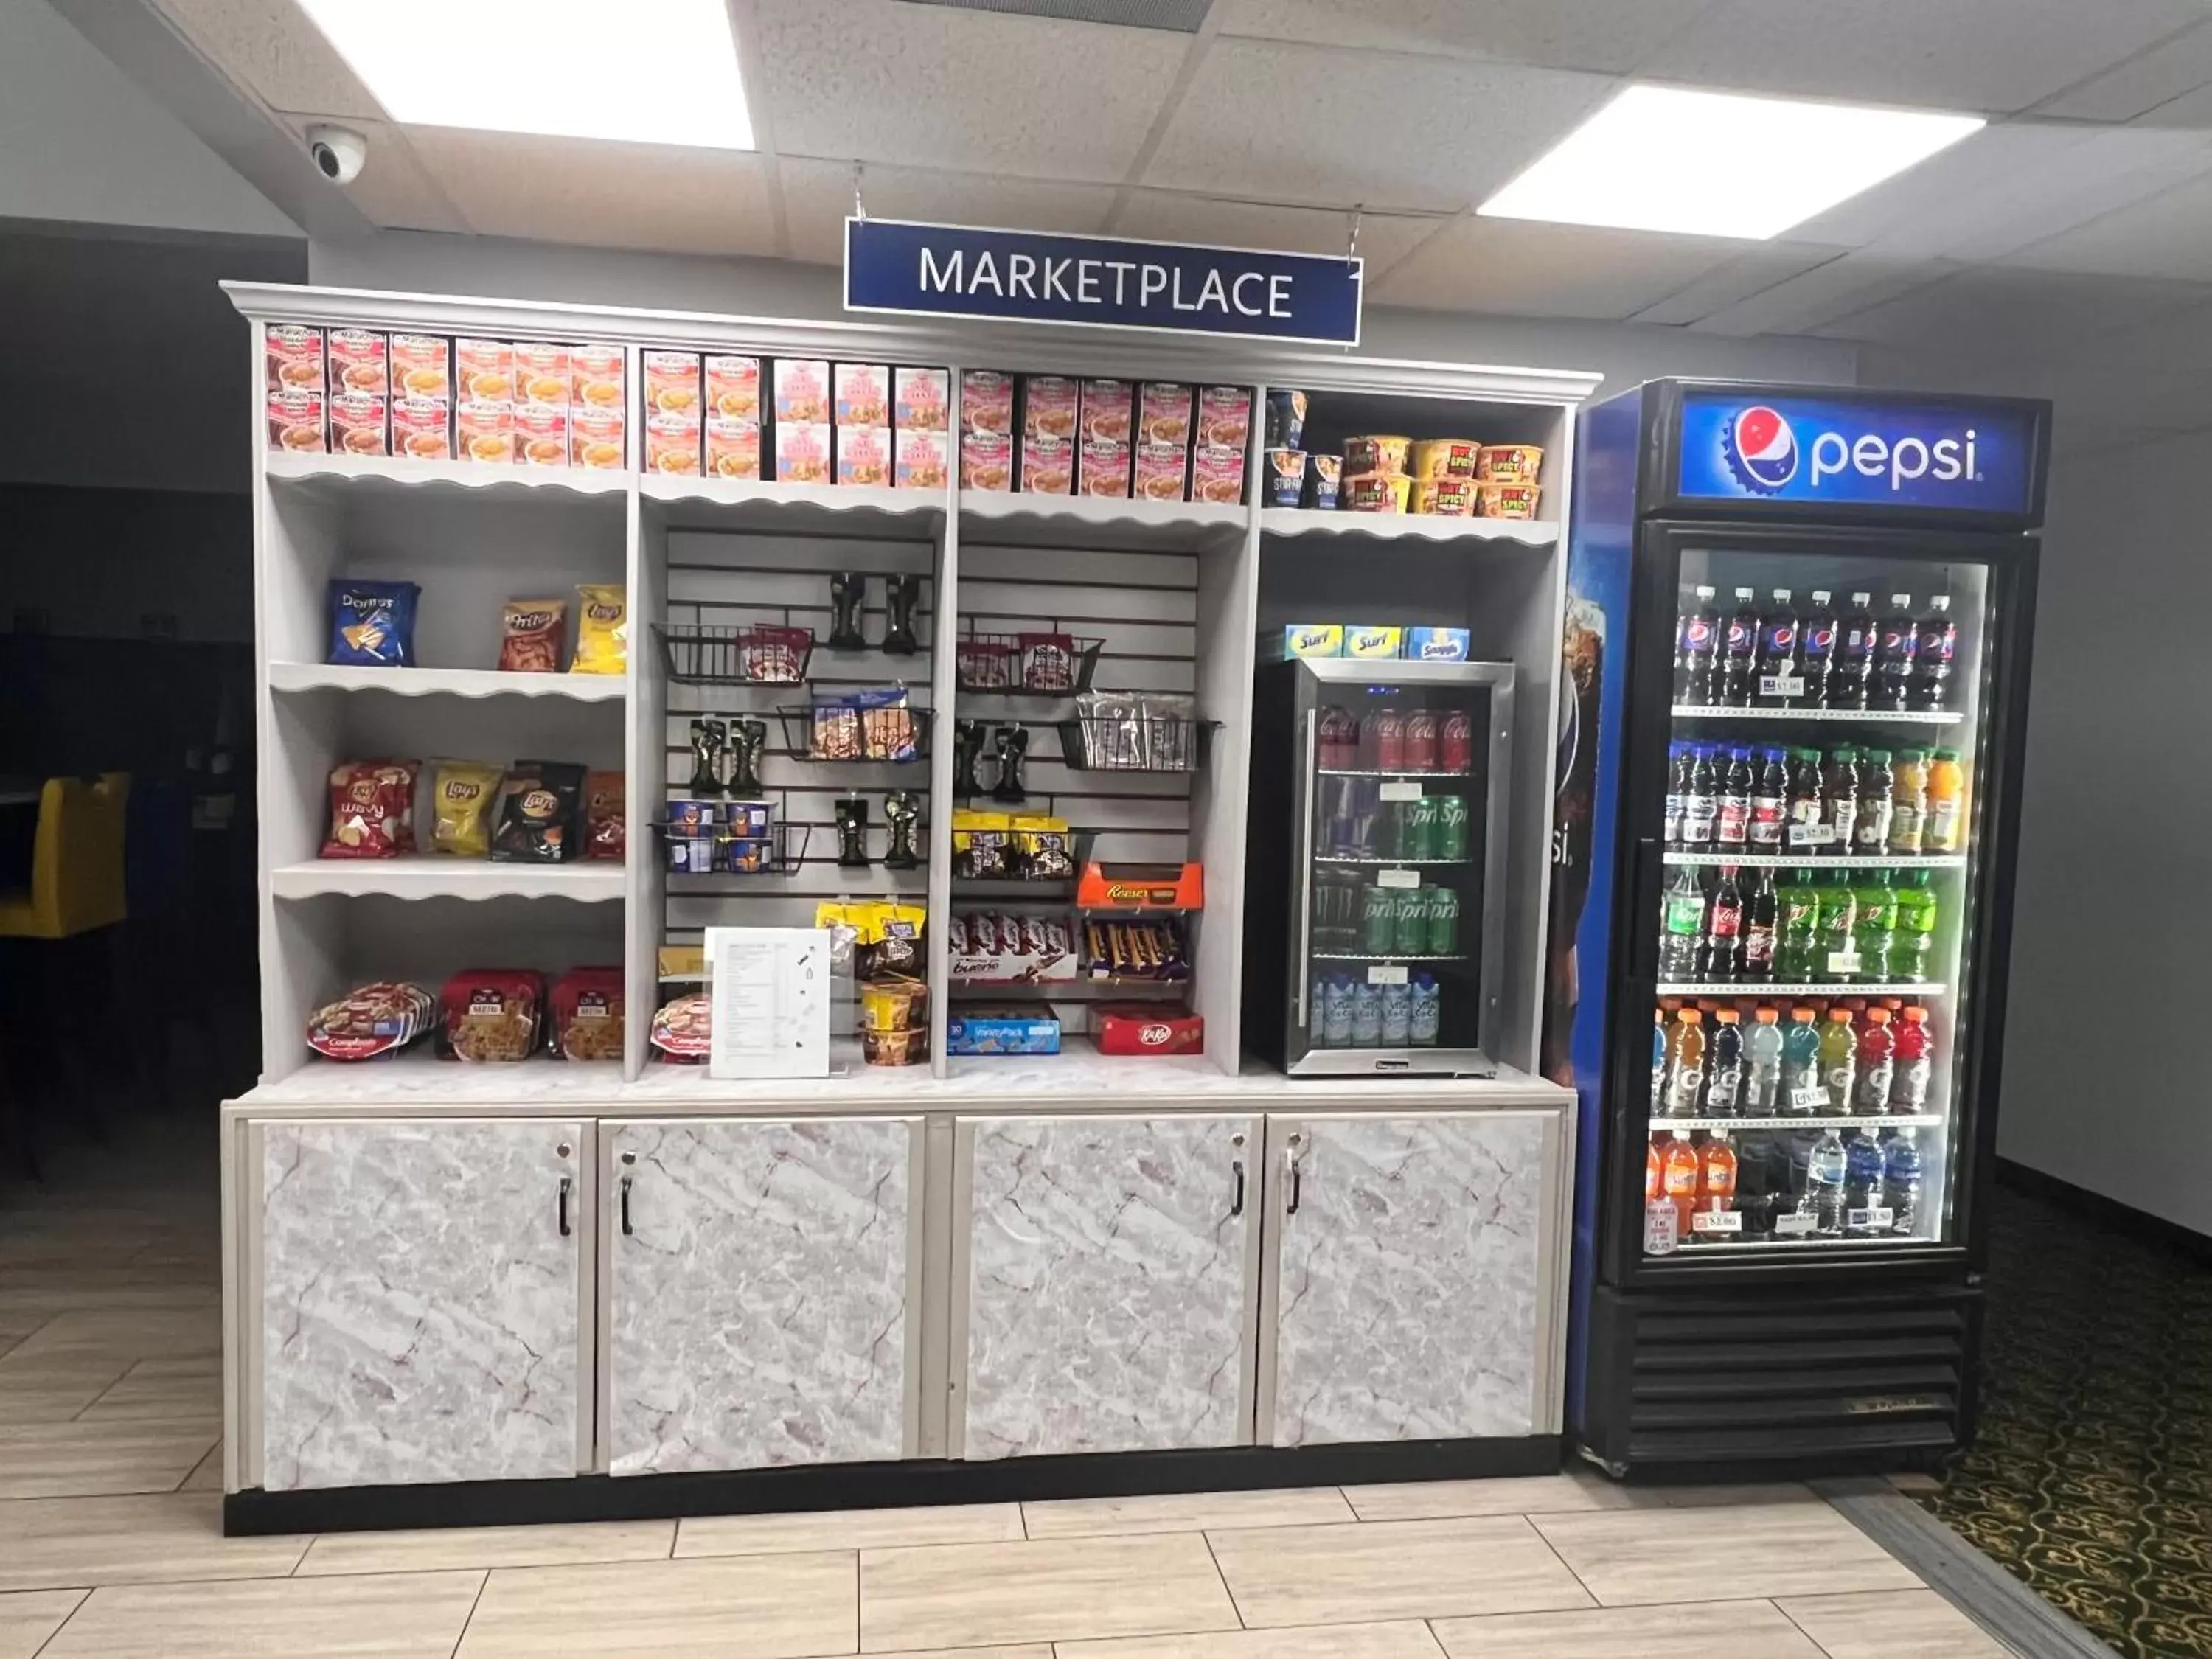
(1305,124)
(1958,54)
(2139,85)
(580,190)
(1602,35)
(1518,267)
(973,92)
(2167,234)
(1745,274)
(818,196)
(1384,239)
(1849,282)
(270,48)
(1998,310)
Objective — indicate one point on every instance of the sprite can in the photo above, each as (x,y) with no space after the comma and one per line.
(1443,922)
(1452,827)
(1412,914)
(1378,918)
(1417,828)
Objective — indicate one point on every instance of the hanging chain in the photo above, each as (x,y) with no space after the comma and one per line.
(860,207)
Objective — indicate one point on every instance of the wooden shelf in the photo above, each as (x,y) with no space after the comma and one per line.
(445,682)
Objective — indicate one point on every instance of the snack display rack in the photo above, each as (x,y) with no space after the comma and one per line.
(1152,596)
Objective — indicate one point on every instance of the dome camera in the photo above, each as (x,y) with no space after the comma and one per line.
(338,152)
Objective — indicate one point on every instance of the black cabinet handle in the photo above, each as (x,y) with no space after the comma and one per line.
(1297,1181)
(625,1205)
(1236,1204)
(566,1183)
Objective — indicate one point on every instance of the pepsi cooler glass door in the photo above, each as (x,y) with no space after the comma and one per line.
(1822,823)
(1398,918)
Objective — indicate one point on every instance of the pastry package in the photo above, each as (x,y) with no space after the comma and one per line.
(372,810)
(536,818)
(373,624)
(491,1014)
(370,1020)
(875,724)
(682,1031)
(602,629)
(606,836)
(587,1014)
(532,632)
(461,795)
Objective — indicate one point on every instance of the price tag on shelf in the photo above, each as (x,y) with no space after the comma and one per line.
(1386,973)
(1812,835)
(1400,789)
(1780,685)
(1792,1223)
(1873,1219)
(1660,1225)
(1842,962)
(1809,1097)
(1397,878)
(1716,1221)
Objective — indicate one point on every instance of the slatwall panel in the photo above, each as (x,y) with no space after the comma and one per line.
(1144,607)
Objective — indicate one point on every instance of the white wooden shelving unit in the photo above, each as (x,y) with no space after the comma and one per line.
(474,536)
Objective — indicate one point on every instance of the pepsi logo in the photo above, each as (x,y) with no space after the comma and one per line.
(1761,449)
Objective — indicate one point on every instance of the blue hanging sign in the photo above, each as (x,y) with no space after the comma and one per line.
(1019,276)
(1760,444)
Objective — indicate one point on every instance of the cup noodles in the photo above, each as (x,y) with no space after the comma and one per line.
(920,400)
(542,374)
(1497,501)
(919,457)
(541,433)
(595,378)
(595,432)
(360,360)
(802,397)
(295,357)
(1048,466)
(1374,492)
(672,384)
(1443,498)
(1050,403)
(1102,467)
(1216,475)
(1446,457)
(671,438)
(420,366)
(1377,453)
(1164,412)
(733,393)
(360,424)
(802,448)
(1225,416)
(421,427)
(484,371)
(295,419)
(484,430)
(987,460)
(1510,463)
(987,403)
(864,454)
(862,395)
(1163,472)
(733,442)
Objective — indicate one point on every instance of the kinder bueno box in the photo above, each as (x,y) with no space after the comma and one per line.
(541,433)
(1225,416)
(1216,475)
(1163,472)
(987,402)
(484,372)
(542,374)
(802,397)
(595,379)
(1048,466)
(1164,414)
(672,440)
(672,384)
(1049,406)
(802,450)
(484,430)
(920,458)
(361,423)
(733,444)
(295,419)
(596,433)
(921,399)
(295,357)
(422,427)
(861,394)
(864,454)
(987,460)
(422,366)
(734,393)
(360,360)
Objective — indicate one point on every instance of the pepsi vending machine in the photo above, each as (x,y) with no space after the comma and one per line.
(1796,657)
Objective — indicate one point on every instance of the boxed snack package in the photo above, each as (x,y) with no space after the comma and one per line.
(484,430)
(864,454)
(1049,406)
(919,459)
(672,441)
(1048,466)
(587,1014)
(596,378)
(1108,408)
(995,947)
(295,420)
(986,461)
(1102,468)
(295,358)
(544,374)
(861,394)
(491,1014)
(536,819)
(987,401)
(360,361)
(1164,413)
(606,833)
(1140,1030)
(462,793)
(1225,416)
(733,387)
(422,427)
(421,366)
(672,382)
(533,632)
(371,1020)
(484,371)
(986,1030)
(596,435)
(1162,472)
(1216,475)
(802,392)
(372,623)
(733,445)
(920,400)
(372,810)
(361,423)
(802,451)
(681,960)
(602,629)
(541,435)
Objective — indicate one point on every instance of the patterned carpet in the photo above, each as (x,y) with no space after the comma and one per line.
(2092,1481)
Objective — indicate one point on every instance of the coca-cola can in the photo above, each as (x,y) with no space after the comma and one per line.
(1340,739)
(1389,740)
(1456,743)
(1421,740)
(1370,737)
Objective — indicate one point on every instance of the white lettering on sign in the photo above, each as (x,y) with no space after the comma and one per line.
(1279,296)
(1021,275)
(1248,276)
(986,266)
(943,278)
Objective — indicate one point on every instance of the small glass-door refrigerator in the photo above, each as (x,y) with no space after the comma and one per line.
(1795,691)
(1373,926)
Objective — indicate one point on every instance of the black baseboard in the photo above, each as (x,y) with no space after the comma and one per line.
(876,1485)
(2107,1212)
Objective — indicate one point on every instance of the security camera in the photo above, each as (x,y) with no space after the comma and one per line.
(338,152)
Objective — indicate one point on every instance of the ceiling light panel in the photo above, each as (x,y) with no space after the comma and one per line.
(1717,164)
(646,71)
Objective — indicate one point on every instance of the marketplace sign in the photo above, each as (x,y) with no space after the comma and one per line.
(1019,277)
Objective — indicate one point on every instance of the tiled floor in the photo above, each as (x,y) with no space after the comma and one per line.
(110,1478)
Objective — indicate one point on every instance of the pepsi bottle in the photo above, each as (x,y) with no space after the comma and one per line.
(1816,651)
(1696,646)
(1739,653)
(1896,651)
(1777,653)
(1850,677)
(1938,644)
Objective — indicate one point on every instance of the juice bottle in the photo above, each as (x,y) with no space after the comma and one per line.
(1947,803)
(1801,1065)
(1679,1169)
(1914,1058)
(1912,942)
(1686,1065)
(1838,1058)
(1716,1178)
(1908,800)
(1877,1060)
(1762,1065)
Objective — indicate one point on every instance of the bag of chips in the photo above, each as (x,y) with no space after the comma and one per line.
(602,630)
(492,1013)
(536,818)
(373,624)
(605,835)
(372,810)
(532,643)
(462,793)
(587,1014)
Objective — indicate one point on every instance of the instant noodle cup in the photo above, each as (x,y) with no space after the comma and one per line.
(1225,416)
(1285,470)
(1216,475)
(421,366)
(1446,457)
(1107,409)
(484,371)
(1496,500)
(1510,463)
(485,432)
(734,447)
(541,435)
(1375,492)
(360,361)
(1323,473)
(596,435)
(295,357)
(1102,467)
(1286,418)
(295,420)
(596,380)
(1444,498)
(733,387)
(1047,465)
(1164,414)
(542,374)
(1372,454)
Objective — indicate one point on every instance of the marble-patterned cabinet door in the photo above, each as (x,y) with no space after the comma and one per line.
(1409,1295)
(421,1304)
(761,1302)
(1108,1271)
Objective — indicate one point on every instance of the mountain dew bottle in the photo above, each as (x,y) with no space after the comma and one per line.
(1913,944)
(1797,931)
(1875,929)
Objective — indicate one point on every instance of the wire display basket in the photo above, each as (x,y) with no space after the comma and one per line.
(1135,743)
(760,653)
(836,729)
(1028,665)
(722,849)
